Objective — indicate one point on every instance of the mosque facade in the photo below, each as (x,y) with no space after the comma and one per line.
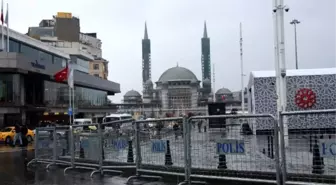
(178,88)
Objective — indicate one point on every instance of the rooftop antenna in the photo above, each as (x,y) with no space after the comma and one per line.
(242,70)
(214,84)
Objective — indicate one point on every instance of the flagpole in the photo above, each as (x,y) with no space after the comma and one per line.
(7,20)
(242,70)
(2,28)
(69,112)
(73,104)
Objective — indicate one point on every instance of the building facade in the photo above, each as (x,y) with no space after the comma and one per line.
(306,89)
(28,89)
(99,68)
(177,90)
(63,32)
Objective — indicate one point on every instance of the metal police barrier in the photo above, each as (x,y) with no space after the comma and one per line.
(117,142)
(44,145)
(228,149)
(84,144)
(61,140)
(160,148)
(310,155)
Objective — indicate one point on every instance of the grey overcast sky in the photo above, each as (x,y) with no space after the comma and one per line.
(175,28)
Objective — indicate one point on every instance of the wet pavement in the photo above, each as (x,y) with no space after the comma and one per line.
(14,172)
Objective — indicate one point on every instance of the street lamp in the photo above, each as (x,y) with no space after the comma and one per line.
(295,22)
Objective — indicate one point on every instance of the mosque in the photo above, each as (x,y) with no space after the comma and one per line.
(178,87)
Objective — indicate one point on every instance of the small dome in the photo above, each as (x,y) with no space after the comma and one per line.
(223,91)
(149,82)
(177,74)
(207,81)
(132,93)
(194,81)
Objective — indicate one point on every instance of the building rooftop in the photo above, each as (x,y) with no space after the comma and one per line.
(295,72)
(35,43)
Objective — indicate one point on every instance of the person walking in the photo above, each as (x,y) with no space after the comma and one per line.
(199,124)
(24,131)
(176,130)
(17,135)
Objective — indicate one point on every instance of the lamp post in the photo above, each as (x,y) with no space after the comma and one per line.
(294,22)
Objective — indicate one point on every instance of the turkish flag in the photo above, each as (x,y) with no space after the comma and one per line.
(223,97)
(62,75)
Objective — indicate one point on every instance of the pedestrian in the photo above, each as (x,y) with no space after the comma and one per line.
(17,135)
(24,132)
(176,130)
(199,126)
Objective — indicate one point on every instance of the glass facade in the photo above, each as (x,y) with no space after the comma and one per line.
(32,53)
(57,94)
(80,64)
(9,88)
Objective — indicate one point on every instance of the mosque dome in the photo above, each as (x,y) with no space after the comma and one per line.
(207,81)
(223,91)
(149,82)
(132,93)
(177,74)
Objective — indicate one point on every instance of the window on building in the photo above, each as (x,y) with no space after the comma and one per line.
(36,54)
(14,46)
(56,94)
(9,88)
(45,57)
(30,52)
(96,66)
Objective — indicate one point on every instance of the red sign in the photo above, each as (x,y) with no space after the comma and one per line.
(305,98)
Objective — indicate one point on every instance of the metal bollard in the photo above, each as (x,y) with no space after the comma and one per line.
(103,153)
(264,151)
(310,143)
(81,152)
(322,160)
(130,156)
(272,148)
(222,162)
(268,146)
(317,159)
(168,159)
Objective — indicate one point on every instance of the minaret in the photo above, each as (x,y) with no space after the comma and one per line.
(146,58)
(206,60)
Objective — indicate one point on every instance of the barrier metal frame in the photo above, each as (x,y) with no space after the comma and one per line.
(282,135)
(114,169)
(188,173)
(281,170)
(49,162)
(138,159)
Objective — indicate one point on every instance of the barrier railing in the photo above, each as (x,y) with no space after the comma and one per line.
(160,148)
(311,152)
(117,145)
(228,149)
(44,145)
(221,147)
